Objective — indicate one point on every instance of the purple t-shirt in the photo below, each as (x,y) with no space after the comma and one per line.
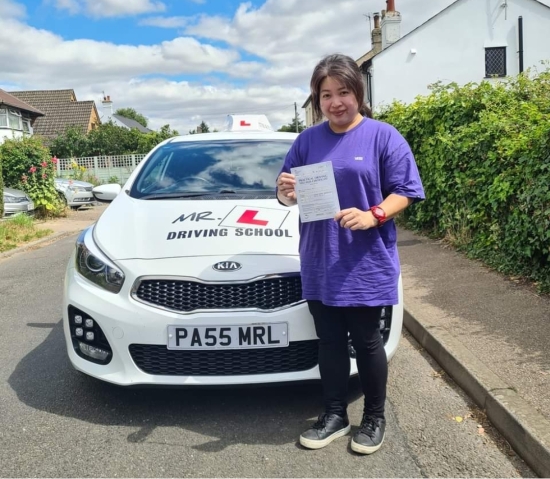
(341,267)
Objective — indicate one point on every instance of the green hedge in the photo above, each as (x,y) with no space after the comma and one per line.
(483,151)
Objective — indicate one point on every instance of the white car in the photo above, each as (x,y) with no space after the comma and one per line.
(75,193)
(191,276)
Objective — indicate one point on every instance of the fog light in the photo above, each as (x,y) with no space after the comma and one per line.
(92,351)
(84,327)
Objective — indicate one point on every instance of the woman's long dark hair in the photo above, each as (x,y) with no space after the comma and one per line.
(343,69)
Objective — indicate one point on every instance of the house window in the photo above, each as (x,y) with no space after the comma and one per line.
(495,62)
(26,125)
(14,119)
(3,117)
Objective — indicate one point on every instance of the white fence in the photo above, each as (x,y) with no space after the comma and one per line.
(104,168)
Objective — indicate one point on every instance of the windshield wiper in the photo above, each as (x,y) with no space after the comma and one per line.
(164,196)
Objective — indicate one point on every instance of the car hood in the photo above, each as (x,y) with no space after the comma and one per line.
(14,192)
(153,229)
(67,182)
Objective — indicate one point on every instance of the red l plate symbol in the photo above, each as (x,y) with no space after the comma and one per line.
(249,218)
(244,123)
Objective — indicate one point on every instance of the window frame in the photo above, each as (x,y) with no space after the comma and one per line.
(4,116)
(505,69)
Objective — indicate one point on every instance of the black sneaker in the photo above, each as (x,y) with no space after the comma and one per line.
(327,428)
(370,435)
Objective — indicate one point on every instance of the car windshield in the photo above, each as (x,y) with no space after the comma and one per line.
(201,167)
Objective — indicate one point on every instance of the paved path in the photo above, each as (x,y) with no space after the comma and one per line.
(489,333)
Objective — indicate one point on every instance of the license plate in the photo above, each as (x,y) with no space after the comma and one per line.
(272,335)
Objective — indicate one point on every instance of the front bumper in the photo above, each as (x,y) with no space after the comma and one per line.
(11,209)
(137,334)
(80,198)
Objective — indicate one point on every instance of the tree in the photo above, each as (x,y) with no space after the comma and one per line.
(72,143)
(291,127)
(133,114)
(107,139)
(202,128)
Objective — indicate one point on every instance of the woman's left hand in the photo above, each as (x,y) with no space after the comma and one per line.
(355,219)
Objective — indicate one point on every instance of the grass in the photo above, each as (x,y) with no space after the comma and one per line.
(17,230)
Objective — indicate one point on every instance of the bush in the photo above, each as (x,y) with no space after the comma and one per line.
(1,190)
(27,165)
(483,151)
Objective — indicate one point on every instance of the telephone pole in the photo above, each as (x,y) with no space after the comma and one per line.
(296,117)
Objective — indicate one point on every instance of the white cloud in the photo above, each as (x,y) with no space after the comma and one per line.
(41,56)
(184,105)
(165,22)
(110,8)
(11,9)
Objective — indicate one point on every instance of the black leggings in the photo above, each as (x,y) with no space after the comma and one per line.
(332,325)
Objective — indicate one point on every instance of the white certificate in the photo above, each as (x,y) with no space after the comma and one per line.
(316,192)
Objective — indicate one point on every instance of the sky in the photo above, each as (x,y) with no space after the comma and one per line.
(180,62)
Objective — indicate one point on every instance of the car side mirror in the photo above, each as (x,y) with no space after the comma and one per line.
(106,193)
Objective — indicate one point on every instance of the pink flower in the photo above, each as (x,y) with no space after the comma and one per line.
(44,176)
(44,164)
(32,169)
(54,160)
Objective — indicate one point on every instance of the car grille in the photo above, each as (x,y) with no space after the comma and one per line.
(88,188)
(186,296)
(159,360)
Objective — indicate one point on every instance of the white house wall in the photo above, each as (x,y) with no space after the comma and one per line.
(6,133)
(451,47)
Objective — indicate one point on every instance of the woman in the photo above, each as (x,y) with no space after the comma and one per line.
(350,265)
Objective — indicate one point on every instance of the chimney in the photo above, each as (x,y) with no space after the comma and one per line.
(391,25)
(376,35)
(107,108)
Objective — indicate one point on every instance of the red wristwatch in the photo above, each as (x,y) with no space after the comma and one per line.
(379,214)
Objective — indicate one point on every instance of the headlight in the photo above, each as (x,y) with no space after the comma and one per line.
(10,199)
(95,266)
(73,189)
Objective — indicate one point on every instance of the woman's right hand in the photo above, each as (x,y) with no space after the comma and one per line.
(286,186)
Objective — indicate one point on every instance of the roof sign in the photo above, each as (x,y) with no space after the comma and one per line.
(247,123)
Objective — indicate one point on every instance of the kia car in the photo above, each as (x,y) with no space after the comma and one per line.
(191,276)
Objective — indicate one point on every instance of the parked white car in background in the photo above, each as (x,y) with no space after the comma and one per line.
(191,276)
(16,201)
(75,192)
